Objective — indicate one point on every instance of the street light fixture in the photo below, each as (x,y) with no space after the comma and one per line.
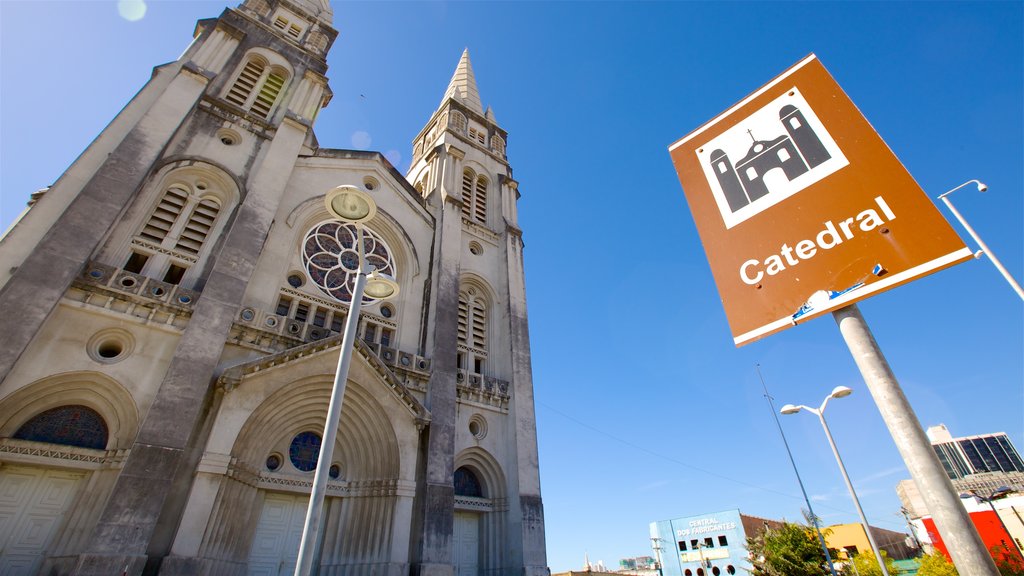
(841,392)
(984,248)
(352,205)
(995,495)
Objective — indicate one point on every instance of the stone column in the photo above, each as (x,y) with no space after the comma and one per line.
(437,495)
(528,517)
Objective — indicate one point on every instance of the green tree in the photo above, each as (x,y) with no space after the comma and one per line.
(791,550)
(936,564)
(867,565)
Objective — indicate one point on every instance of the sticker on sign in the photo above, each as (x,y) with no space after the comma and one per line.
(802,208)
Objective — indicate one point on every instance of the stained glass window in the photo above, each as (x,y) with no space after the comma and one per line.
(305,451)
(331,258)
(467,484)
(69,425)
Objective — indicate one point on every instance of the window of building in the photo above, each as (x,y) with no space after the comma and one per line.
(370,333)
(682,545)
(694,543)
(304,451)
(257,86)
(328,254)
(67,425)
(467,484)
(458,122)
(284,306)
(474,196)
(136,262)
(386,335)
(174,274)
(472,328)
(320,317)
(723,541)
(198,226)
(336,321)
(709,543)
(498,145)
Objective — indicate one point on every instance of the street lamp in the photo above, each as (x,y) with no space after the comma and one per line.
(985,249)
(352,205)
(841,392)
(995,495)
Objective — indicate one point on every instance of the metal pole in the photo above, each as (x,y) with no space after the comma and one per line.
(853,493)
(311,528)
(814,518)
(954,525)
(988,252)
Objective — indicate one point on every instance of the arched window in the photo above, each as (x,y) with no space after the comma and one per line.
(68,425)
(458,122)
(177,228)
(467,484)
(498,145)
(472,330)
(257,86)
(474,196)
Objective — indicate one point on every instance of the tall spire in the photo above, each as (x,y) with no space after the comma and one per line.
(463,86)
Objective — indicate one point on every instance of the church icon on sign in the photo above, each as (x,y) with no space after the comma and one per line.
(796,153)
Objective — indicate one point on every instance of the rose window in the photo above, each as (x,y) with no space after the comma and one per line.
(331,258)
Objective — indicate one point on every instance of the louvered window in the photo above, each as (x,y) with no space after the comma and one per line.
(463,320)
(198,227)
(165,215)
(480,200)
(243,87)
(257,87)
(467,193)
(479,326)
(268,94)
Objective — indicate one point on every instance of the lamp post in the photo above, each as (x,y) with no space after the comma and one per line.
(841,392)
(995,495)
(984,248)
(349,204)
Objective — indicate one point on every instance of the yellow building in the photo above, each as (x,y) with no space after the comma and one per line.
(847,540)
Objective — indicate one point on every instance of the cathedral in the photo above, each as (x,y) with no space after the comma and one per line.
(172,309)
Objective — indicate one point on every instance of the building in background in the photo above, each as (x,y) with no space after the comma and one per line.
(171,308)
(981,464)
(1000,524)
(712,544)
(847,540)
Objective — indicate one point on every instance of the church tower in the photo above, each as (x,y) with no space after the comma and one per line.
(172,306)
(460,167)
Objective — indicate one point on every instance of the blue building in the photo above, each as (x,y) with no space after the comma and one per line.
(707,545)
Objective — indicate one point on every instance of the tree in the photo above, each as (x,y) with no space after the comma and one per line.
(791,550)
(1009,563)
(866,564)
(936,564)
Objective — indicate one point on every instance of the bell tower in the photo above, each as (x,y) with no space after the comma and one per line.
(480,344)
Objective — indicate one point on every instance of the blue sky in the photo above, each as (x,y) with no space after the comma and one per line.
(646,411)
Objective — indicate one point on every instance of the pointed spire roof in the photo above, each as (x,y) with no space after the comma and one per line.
(463,86)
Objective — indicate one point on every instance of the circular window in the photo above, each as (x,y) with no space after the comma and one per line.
(475,248)
(730,569)
(295,280)
(370,183)
(330,255)
(228,137)
(304,451)
(387,311)
(274,462)
(248,314)
(478,427)
(111,345)
(334,471)
(715,571)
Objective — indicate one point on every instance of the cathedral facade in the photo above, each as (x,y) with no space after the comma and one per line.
(172,308)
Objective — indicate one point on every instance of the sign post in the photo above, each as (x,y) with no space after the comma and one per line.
(802,209)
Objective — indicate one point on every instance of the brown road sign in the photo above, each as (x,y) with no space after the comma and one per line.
(802,208)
